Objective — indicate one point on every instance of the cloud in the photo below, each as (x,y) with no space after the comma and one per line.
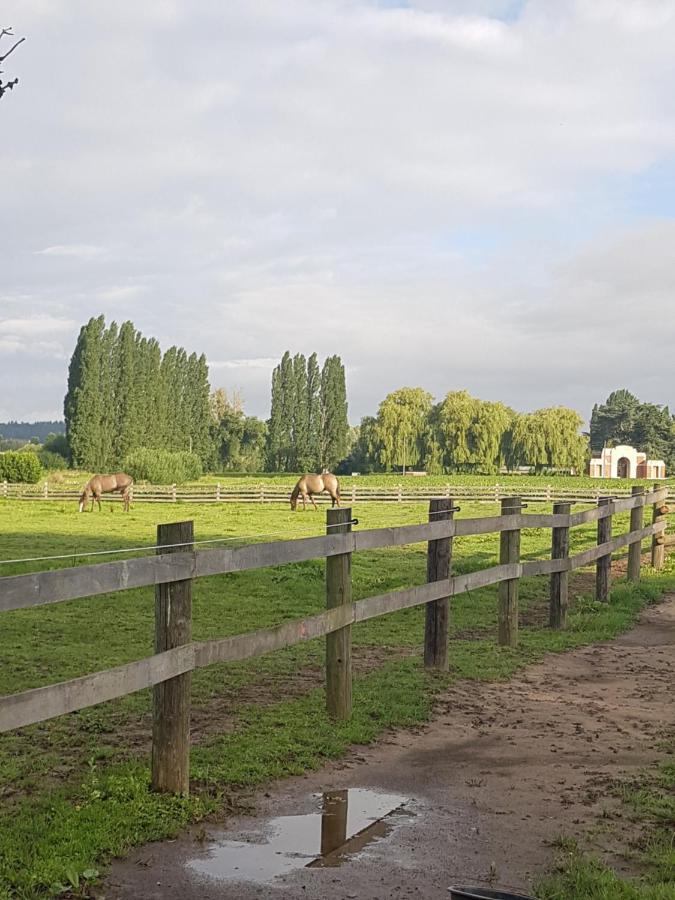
(34,325)
(78,251)
(418,187)
(266,364)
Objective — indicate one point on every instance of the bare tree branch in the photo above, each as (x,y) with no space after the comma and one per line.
(11,49)
(8,85)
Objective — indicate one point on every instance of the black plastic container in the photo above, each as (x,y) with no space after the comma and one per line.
(477,893)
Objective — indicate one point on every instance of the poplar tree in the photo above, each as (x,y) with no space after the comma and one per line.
(301,458)
(282,416)
(127,400)
(334,442)
(83,403)
(313,413)
(200,416)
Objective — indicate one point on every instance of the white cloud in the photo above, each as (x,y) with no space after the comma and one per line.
(78,251)
(267,364)
(34,325)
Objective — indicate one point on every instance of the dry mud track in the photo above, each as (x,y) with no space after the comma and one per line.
(501,772)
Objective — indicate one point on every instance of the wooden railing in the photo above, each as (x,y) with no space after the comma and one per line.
(361,493)
(176,564)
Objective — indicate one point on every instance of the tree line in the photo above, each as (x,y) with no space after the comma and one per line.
(308,425)
(462,433)
(124,394)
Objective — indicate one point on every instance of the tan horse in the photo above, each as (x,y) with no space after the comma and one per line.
(106,484)
(309,485)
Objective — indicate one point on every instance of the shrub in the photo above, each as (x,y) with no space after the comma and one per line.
(163,466)
(52,460)
(57,443)
(19,467)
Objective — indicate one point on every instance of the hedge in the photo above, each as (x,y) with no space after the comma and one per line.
(20,467)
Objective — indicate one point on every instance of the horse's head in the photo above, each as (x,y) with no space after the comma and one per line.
(294,498)
(84,497)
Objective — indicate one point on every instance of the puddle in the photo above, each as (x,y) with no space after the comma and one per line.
(348,821)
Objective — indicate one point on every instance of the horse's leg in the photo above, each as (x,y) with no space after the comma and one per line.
(337,498)
(311,497)
(98,500)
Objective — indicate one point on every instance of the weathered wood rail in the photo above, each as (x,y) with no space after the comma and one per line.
(362,493)
(173,569)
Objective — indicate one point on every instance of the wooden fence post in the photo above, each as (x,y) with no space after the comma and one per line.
(218,491)
(559,580)
(603,569)
(509,552)
(439,555)
(171,699)
(636,523)
(45,490)
(173,494)
(659,540)
(5,490)
(339,643)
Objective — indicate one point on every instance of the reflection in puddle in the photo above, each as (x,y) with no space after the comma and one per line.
(348,822)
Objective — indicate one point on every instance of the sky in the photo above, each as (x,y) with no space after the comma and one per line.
(452,194)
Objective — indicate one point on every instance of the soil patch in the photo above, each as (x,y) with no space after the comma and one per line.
(502,771)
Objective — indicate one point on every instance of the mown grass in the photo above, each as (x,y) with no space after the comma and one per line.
(74,791)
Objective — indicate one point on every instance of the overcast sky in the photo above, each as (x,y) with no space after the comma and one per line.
(476,194)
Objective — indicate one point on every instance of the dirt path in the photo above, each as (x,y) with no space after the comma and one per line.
(502,770)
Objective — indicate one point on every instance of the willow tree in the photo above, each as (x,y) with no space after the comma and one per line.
(470,432)
(488,435)
(548,438)
(452,419)
(402,427)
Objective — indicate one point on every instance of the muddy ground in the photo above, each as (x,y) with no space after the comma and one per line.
(500,773)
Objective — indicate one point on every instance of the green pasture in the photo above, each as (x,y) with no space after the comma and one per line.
(74,791)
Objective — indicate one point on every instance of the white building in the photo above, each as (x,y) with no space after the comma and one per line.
(626,462)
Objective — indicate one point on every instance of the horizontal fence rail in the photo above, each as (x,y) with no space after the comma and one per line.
(58,585)
(266,493)
(179,567)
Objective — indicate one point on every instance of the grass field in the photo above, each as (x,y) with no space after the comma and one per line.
(74,791)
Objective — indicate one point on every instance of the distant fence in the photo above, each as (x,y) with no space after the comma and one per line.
(177,564)
(363,493)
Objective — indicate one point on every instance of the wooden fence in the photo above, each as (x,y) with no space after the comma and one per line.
(362,493)
(176,564)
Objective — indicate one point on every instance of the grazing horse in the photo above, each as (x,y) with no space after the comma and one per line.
(309,485)
(106,484)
